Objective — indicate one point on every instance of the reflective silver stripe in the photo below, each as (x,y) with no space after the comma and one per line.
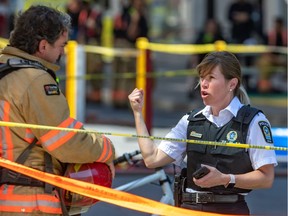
(29,135)
(4,189)
(59,135)
(30,204)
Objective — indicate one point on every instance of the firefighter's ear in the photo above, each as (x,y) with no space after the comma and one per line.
(42,45)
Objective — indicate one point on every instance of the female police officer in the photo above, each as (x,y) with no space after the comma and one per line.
(226,118)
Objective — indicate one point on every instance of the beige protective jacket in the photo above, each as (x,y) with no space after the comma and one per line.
(30,95)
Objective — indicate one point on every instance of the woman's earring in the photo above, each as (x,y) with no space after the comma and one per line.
(230,90)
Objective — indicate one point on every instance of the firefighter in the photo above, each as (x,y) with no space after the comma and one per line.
(29,93)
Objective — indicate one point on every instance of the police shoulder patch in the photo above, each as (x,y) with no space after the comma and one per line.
(266,131)
(51,89)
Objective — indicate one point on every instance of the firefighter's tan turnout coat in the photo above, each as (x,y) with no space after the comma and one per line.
(31,95)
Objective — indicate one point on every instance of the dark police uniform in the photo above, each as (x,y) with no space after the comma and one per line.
(239,127)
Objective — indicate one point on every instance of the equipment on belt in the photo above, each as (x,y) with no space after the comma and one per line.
(179,186)
(210,198)
(180,196)
(95,173)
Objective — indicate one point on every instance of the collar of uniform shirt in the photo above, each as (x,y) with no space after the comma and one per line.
(225,115)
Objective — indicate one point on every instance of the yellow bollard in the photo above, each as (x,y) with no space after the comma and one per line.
(220,45)
(141,67)
(71,84)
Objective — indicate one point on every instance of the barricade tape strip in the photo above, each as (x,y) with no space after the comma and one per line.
(206,48)
(202,142)
(132,53)
(105,194)
(177,49)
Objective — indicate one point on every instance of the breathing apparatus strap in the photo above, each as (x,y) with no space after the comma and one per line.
(14,178)
(14,64)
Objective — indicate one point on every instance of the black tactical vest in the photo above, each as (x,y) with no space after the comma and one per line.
(228,160)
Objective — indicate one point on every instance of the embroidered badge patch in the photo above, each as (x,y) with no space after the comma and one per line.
(265,128)
(232,136)
(51,89)
(195,134)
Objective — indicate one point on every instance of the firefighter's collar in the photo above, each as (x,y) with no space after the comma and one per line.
(9,50)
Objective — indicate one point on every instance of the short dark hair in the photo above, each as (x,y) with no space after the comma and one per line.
(38,23)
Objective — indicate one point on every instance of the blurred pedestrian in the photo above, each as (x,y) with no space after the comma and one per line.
(128,26)
(240,17)
(211,33)
(73,9)
(90,32)
(227,117)
(31,95)
(269,63)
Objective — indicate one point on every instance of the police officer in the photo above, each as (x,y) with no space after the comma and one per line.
(226,117)
(30,94)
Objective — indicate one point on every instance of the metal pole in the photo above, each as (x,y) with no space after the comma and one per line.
(75,87)
(141,79)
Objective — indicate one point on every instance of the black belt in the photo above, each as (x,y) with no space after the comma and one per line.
(13,178)
(211,198)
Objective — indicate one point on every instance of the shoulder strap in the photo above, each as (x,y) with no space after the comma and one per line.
(14,64)
(244,117)
(5,70)
(196,118)
(24,155)
(246,114)
(10,176)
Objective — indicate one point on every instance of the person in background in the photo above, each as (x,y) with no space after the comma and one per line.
(128,26)
(226,117)
(211,33)
(31,95)
(268,62)
(90,31)
(240,17)
(73,9)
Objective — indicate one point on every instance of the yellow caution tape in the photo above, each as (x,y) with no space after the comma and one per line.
(182,48)
(125,52)
(178,48)
(201,142)
(217,46)
(105,194)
